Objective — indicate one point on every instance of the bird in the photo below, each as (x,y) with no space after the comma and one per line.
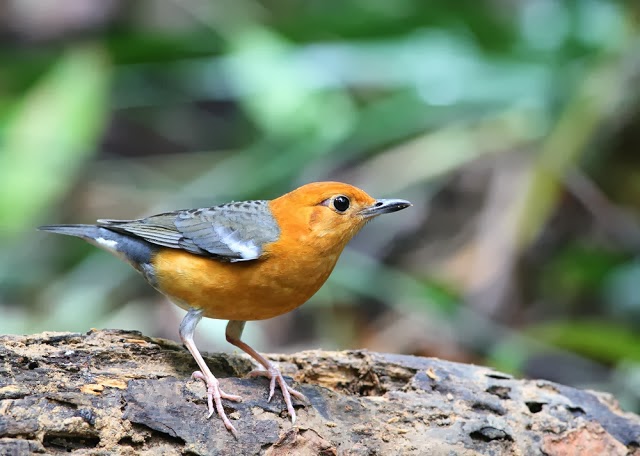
(240,261)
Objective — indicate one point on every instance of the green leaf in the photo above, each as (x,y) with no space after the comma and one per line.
(604,341)
(50,135)
(278,95)
(578,270)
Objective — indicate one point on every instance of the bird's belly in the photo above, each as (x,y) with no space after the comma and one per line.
(251,290)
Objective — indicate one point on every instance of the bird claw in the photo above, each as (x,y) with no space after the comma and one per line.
(215,396)
(273,374)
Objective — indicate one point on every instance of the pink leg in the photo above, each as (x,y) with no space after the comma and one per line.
(214,393)
(233,333)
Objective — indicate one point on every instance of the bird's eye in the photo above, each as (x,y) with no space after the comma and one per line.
(341,203)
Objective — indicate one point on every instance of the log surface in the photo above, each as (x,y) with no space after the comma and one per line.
(122,393)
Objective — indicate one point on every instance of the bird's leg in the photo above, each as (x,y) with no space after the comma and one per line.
(233,333)
(214,393)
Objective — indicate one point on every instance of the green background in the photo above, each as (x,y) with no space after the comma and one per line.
(513,127)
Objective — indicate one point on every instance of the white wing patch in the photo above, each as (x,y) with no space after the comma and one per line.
(248,250)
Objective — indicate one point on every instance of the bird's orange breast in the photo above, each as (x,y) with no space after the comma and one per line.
(249,290)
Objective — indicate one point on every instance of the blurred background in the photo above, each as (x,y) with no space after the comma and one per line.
(512,125)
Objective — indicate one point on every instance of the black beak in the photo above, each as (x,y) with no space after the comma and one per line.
(384,206)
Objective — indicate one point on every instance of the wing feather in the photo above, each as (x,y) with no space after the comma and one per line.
(229,232)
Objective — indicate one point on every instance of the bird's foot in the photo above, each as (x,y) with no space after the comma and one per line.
(275,375)
(215,396)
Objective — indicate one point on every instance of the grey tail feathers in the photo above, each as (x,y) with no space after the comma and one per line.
(135,250)
(83,231)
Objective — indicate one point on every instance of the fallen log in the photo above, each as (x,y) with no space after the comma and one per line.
(122,393)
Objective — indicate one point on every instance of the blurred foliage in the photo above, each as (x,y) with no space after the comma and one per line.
(512,126)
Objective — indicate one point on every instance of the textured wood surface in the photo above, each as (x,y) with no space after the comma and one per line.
(119,392)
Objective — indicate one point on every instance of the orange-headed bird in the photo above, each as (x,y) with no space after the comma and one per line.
(240,261)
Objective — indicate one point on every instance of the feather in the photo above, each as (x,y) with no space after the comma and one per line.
(229,232)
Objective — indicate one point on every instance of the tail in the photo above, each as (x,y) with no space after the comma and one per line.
(81,231)
(130,248)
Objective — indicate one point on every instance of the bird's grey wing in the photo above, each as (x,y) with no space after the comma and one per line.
(235,231)
(157,229)
(229,232)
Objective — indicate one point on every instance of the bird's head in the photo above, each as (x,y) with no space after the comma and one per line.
(333,211)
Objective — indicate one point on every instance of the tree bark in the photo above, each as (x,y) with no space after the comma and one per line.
(122,393)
